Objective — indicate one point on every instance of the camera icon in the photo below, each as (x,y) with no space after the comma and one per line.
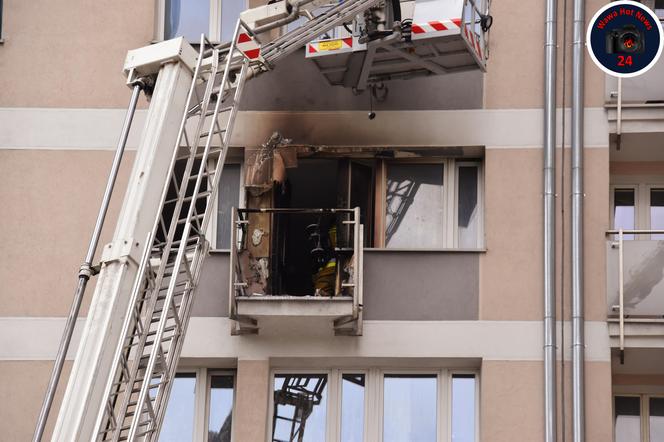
(625,40)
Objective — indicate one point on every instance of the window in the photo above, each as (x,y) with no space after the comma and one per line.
(179,419)
(191,18)
(228,196)
(410,407)
(300,407)
(200,403)
(638,207)
(332,405)
(433,206)
(638,418)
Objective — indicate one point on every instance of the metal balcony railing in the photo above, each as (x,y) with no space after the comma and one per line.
(635,278)
(282,257)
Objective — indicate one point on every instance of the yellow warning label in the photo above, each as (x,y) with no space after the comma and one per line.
(329,45)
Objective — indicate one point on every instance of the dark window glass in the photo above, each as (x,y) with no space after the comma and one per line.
(656,419)
(624,213)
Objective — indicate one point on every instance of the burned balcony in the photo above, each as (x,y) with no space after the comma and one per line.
(291,266)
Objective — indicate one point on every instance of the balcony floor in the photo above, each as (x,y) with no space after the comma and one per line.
(295,306)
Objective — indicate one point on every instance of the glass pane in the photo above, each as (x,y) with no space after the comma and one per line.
(230,12)
(468,211)
(463,408)
(178,423)
(656,419)
(221,408)
(300,407)
(624,213)
(627,419)
(409,408)
(352,408)
(227,197)
(657,212)
(414,206)
(188,19)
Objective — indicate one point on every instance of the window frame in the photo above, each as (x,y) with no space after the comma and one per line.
(202,398)
(450,202)
(642,186)
(374,394)
(644,404)
(214,25)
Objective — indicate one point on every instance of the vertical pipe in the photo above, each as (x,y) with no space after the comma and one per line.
(86,269)
(578,339)
(550,414)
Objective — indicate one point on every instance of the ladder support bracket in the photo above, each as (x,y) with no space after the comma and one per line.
(123,248)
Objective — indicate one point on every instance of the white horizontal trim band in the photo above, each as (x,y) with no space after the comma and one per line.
(38,339)
(94,129)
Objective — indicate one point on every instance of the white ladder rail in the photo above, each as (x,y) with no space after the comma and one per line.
(167,335)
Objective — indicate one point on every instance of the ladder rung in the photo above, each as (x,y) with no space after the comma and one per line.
(189,198)
(214,132)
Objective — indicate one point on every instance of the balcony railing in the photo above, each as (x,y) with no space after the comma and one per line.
(296,263)
(635,278)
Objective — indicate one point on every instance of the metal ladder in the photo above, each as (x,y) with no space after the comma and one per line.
(153,332)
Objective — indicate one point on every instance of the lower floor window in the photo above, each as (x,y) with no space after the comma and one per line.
(200,407)
(638,418)
(375,405)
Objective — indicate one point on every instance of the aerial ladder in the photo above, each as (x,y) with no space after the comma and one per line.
(120,381)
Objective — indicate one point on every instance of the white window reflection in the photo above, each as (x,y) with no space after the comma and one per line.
(657,212)
(463,408)
(188,19)
(352,407)
(300,408)
(409,408)
(220,408)
(627,418)
(178,425)
(624,213)
(414,206)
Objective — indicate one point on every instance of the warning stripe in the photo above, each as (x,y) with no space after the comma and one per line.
(248,46)
(436,26)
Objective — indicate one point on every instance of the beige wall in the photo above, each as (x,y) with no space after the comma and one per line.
(252,387)
(22,388)
(69,53)
(511,269)
(50,201)
(512,402)
(515,72)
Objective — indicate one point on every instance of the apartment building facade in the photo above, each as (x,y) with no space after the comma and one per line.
(448,179)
